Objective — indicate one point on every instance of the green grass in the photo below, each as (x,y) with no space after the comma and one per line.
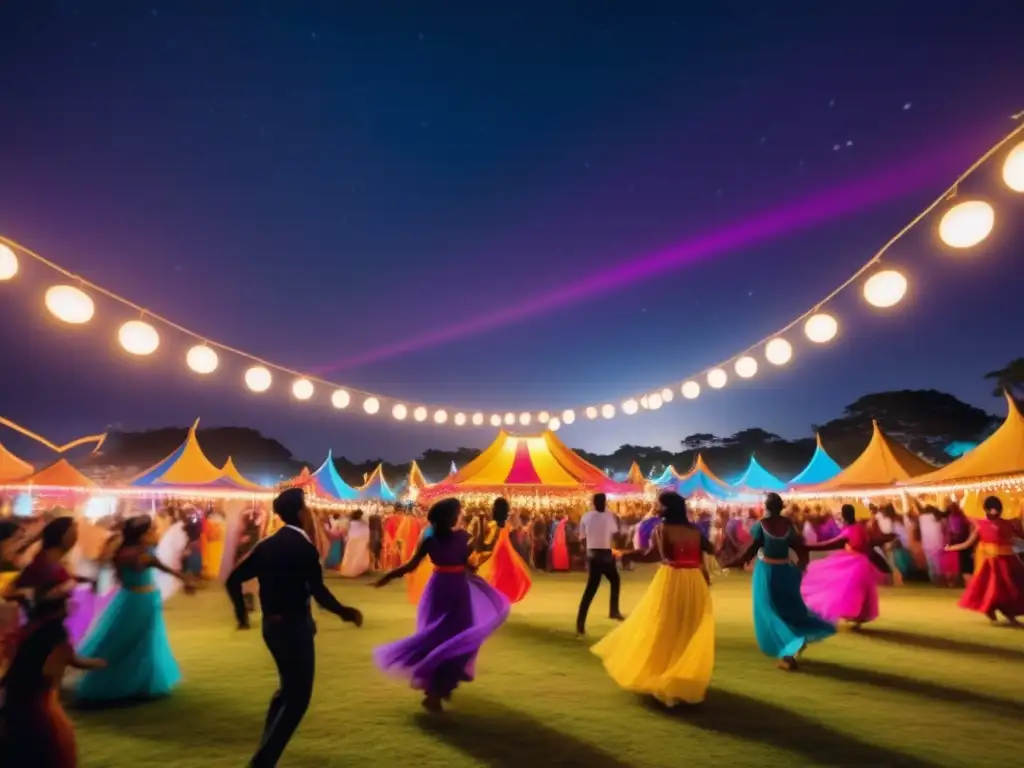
(928,685)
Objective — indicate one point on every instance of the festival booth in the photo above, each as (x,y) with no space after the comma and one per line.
(635,476)
(996,466)
(325,485)
(702,485)
(376,489)
(757,479)
(819,469)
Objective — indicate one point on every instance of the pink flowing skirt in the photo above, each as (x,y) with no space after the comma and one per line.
(843,586)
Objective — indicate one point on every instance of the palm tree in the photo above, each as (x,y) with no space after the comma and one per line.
(1009,378)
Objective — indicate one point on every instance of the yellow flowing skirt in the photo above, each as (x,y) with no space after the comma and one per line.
(666,648)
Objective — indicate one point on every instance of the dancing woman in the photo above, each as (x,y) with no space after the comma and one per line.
(503,568)
(131,636)
(844,586)
(782,624)
(356,560)
(666,648)
(998,582)
(457,613)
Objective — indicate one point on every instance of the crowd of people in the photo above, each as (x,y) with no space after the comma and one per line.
(87,596)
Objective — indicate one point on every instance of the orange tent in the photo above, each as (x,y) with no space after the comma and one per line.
(883,463)
(416,480)
(635,476)
(60,474)
(12,468)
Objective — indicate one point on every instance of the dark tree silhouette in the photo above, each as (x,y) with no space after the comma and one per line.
(1009,378)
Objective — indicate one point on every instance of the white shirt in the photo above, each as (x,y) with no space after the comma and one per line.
(598,528)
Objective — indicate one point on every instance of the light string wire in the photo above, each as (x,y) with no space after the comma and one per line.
(948,194)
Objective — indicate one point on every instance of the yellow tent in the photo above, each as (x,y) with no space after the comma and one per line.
(416,480)
(1001,455)
(882,463)
(12,468)
(187,466)
(230,471)
(635,476)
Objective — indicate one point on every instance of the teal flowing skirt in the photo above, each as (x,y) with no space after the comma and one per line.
(782,623)
(131,637)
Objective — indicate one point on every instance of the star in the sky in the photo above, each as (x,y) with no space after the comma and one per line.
(907,105)
(836,147)
(831,102)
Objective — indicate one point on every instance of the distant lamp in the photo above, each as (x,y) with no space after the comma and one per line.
(1013,168)
(8,263)
(440,417)
(821,328)
(510,419)
(591,412)
(568,416)
(967,224)
(543,417)
(667,394)
(340,399)
(460,419)
(138,338)
(302,389)
(690,390)
(608,411)
(717,378)
(746,367)
(371,405)
(778,351)
(420,414)
(630,407)
(654,401)
(554,424)
(202,359)
(495,420)
(478,419)
(70,305)
(885,289)
(258,379)
(525,419)
(399,412)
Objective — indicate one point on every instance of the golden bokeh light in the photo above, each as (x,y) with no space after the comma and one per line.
(302,389)
(138,337)
(690,390)
(966,224)
(821,328)
(717,378)
(258,379)
(778,351)
(885,289)
(70,305)
(202,359)
(746,367)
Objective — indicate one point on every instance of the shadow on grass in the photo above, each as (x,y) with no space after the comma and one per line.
(936,643)
(561,639)
(742,717)
(996,704)
(499,736)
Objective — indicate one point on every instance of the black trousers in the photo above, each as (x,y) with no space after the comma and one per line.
(600,562)
(290,642)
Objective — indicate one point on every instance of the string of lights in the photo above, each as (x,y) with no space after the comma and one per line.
(964,223)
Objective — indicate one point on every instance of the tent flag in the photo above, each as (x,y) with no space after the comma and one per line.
(376,488)
(757,478)
(820,468)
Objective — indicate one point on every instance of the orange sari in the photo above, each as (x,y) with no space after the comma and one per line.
(505,570)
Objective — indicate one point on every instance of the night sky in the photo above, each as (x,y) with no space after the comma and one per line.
(388,194)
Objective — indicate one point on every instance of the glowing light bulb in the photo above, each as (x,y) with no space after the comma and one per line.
(630,407)
(746,367)
(420,414)
(554,424)
(138,338)
(371,405)
(510,419)
(967,224)
(202,359)
(340,399)
(302,389)
(1013,168)
(717,378)
(8,263)
(608,410)
(70,305)
(654,401)
(495,420)
(568,416)
(258,379)
(591,412)
(690,390)
(543,417)
(778,351)
(667,395)
(460,419)
(643,402)
(885,289)
(821,328)
(399,411)
(525,419)
(440,417)
(478,419)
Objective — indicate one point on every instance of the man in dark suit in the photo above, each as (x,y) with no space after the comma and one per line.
(288,568)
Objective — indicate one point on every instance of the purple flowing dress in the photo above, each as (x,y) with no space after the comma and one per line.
(457,613)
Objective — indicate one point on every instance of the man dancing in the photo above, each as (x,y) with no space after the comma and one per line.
(287,566)
(597,528)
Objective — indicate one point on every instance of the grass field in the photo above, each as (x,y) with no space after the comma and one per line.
(928,685)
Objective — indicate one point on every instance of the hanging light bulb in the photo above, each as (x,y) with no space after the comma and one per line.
(821,328)
(690,390)
(643,402)
(495,420)
(460,419)
(654,401)
(554,424)
(399,411)
(440,417)
(524,419)
(778,351)
(1013,168)
(631,406)
(8,263)
(340,399)
(543,417)
(138,338)
(966,224)
(70,305)
(608,410)
(746,367)
(667,394)
(420,414)
(371,405)
(717,378)
(885,289)
(202,359)
(568,416)
(258,379)
(478,419)
(302,389)
(591,412)
(510,419)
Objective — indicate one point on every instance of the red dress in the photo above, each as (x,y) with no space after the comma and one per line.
(998,583)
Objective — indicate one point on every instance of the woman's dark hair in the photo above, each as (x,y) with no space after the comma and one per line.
(443,516)
(993,503)
(356,515)
(132,531)
(773,504)
(500,511)
(674,511)
(8,529)
(55,531)
(849,514)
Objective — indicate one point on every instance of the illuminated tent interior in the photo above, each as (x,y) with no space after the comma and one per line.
(12,468)
(701,481)
(635,476)
(884,462)
(757,478)
(188,467)
(376,488)
(529,465)
(820,468)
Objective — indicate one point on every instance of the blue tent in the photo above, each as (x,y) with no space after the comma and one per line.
(328,480)
(376,488)
(701,480)
(757,478)
(821,467)
(666,478)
